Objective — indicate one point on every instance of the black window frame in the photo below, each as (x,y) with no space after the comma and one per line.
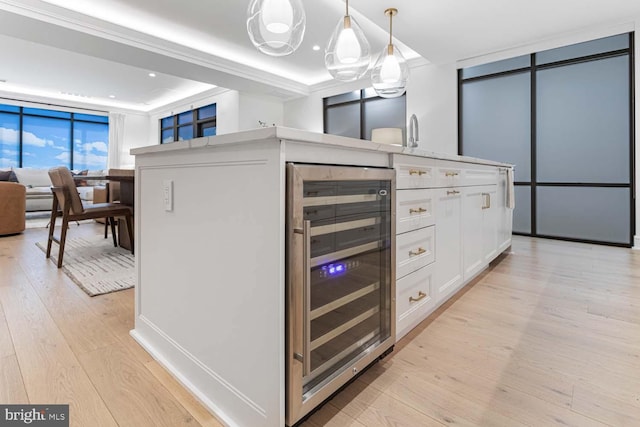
(198,125)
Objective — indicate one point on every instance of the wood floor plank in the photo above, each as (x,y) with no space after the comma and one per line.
(373,407)
(126,387)
(330,416)
(189,402)
(605,408)
(6,344)
(12,389)
(50,371)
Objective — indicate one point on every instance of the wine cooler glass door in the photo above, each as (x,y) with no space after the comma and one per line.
(341,296)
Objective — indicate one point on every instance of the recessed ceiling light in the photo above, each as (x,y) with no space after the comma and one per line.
(112,96)
(316,47)
(152,74)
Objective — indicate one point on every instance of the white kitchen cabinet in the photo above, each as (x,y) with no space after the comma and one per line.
(415,299)
(448,273)
(414,250)
(505,214)
(479,218)
(414,209)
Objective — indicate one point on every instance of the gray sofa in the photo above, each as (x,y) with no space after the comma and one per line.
(38,186)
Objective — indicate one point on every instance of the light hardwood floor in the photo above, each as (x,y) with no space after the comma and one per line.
(548,335)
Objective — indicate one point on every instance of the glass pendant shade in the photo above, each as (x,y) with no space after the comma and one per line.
(347,55)
(276,27)
(390,73)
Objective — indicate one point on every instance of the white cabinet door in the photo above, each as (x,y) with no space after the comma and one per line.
(490,217)
(480,228)
(505,215)
(448,272)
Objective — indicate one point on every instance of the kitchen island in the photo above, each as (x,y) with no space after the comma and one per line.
(211,241)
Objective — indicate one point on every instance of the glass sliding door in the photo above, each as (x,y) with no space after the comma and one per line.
(564,117)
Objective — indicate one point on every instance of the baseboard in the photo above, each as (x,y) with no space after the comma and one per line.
(636,243)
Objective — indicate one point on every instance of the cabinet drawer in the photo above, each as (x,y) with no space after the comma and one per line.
(449,174)
(415,293)
(414,209)
(479,175)
(414,172)
(414,250)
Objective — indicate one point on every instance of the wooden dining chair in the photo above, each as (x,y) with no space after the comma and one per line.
(68,205)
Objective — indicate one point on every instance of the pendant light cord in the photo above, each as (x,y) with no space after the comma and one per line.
(347,13)
(390,27)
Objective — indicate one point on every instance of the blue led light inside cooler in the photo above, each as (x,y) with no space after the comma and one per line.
(335,269)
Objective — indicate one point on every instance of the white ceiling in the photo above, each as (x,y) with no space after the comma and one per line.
(97,48)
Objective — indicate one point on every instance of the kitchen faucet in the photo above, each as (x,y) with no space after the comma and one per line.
(413,122)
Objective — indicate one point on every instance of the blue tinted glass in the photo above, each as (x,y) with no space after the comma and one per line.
(9,108)
(45,142)
(91,118)
(167,136)
(207,112)
(185,118)
(9,140)
(167,122)
(497,67)
(185,132)
(48,113)
(209,131)
(593,47)
(90,145)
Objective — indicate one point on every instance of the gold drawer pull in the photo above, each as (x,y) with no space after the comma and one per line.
(417,172)
(418,210)
(420,251)
(421,295)
(453,192)
(451,174)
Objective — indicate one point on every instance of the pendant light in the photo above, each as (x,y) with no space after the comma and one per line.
(389,74)
(347,55)
(276,27)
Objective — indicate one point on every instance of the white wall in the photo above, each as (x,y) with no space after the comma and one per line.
(254,108)
(136,134)
(432,95)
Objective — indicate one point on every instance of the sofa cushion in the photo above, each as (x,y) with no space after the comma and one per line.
(39,191)
(33,177)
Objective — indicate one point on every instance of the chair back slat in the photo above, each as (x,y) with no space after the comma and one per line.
(61,177)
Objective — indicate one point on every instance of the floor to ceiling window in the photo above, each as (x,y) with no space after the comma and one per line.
(41,138)
(564,117)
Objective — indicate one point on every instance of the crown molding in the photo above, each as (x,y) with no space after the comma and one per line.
(75,21)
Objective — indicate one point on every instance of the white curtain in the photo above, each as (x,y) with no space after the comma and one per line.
(116,137)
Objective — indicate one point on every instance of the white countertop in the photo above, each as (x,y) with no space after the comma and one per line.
(306,137)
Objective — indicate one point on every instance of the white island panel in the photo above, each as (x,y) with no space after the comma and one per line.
(211,281)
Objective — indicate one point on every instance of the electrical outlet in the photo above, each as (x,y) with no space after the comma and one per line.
(167,194)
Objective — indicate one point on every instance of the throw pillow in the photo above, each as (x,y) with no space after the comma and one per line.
(8,175)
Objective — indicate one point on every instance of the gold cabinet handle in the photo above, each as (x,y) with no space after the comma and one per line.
(451,174)
(417,210)
(452,192)
(420,251)
(421,295)
(417,172)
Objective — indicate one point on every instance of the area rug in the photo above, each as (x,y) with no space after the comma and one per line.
(94,264)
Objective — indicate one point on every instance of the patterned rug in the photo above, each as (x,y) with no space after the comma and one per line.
(95,264)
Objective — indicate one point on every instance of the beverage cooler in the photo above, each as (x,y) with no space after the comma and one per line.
(340,278)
